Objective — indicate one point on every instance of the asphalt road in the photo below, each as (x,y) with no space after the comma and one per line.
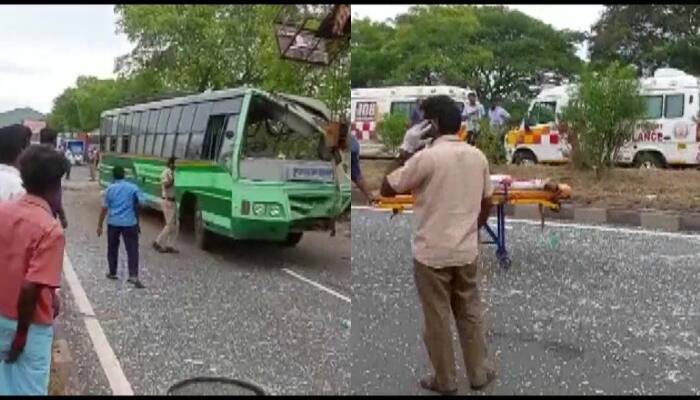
(233,312)
(581,311)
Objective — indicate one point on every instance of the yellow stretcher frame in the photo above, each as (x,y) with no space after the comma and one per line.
(543,198)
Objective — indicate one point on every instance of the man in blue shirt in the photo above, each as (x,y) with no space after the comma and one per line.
(355,172)
(122,201)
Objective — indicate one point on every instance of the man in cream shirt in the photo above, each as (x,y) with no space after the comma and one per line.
(450,183)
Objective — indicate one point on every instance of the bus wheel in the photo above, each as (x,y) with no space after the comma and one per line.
(202,237)
(524,157)
(293,238)
(648,160)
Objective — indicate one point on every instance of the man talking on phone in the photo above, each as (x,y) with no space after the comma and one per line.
(450,183)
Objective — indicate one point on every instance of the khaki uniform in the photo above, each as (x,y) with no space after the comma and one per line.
(169,233)
(448,182)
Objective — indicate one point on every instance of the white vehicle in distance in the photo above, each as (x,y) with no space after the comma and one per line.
(668,136)
(368,105)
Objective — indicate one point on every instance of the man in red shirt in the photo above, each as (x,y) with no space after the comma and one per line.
(30,272)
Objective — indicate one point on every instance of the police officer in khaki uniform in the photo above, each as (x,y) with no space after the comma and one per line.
(168,235)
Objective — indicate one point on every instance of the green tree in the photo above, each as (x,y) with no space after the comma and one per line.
(391,130)
(494,50)
(520,47)
(199,47)
(602,114)
(648,36)
(371,60)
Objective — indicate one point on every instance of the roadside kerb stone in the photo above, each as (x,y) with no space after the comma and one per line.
(623,217)
(690,222)
(660,221)
(590,215)
(566,212)
(527,211)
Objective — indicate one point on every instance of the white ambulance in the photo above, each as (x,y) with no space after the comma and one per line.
(368,105)
(671,136)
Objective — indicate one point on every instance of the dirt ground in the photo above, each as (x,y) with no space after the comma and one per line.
(672,190)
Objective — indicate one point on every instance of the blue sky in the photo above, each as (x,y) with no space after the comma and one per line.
(45,48)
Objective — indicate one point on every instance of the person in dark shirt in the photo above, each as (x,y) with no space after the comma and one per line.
(49,137)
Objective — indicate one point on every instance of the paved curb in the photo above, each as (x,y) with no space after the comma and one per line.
(61,363)
(647,219)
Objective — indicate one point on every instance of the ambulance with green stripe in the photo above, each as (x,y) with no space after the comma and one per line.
(251,165)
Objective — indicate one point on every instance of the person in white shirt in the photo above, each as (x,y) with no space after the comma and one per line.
(13,140)
(498,116)
(473,113)
(69,164)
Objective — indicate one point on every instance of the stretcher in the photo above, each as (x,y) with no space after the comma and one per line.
(507,190)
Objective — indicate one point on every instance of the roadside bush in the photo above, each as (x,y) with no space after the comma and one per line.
(601,115)
(391,130)
(490,142)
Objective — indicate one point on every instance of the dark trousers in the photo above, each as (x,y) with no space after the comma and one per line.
(131,242)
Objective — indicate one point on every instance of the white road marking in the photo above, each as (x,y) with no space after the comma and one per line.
(117,380)
(567,224)
(317,285)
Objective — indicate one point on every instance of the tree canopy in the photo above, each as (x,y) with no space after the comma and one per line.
(191,48)
(492,49)
(648,36)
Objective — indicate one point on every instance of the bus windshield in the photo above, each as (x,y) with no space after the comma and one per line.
(275,131)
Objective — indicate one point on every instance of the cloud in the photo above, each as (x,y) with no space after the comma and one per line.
(46,47)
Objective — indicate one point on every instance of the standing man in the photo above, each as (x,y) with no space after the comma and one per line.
(92,161)
(473,113)
(498,117)
(32,260)
(417,113)
(13,139)
(169,233)
(49,137)
(355,172)
(71,160)
(122,200)
(449,210)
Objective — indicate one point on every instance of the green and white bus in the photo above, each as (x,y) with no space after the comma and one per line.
(251,165)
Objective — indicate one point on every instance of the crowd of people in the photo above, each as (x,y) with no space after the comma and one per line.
(32,227)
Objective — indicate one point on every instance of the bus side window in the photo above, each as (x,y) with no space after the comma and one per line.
(134,132)
(184,129)
(160,131)
(151,138)
(143,129)
(212,137)
(199,126)
(117,136)
(171,132)
(126,134)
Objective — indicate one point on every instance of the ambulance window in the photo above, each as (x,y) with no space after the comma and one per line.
(542,113)
(653,106)
(674,106)
(403,107)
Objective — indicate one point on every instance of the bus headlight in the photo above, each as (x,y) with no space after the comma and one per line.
(274,210)
(258,209)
